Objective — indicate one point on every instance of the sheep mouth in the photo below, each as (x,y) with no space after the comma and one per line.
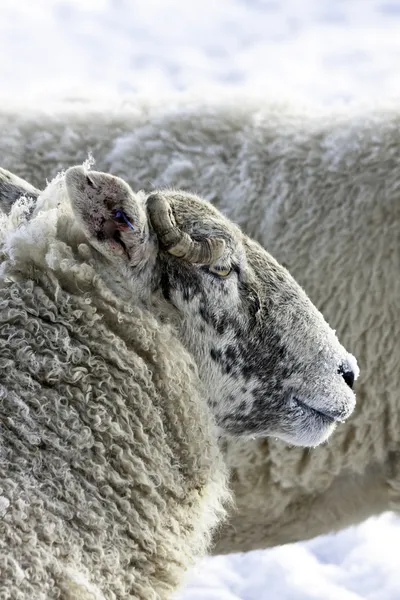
(326,416)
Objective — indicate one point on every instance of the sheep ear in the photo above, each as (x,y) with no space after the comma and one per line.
(112,215)
(12,188)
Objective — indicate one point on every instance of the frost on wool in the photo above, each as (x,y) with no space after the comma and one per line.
(110,475)
(268,362)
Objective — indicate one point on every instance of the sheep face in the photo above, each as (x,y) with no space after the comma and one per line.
(269,362)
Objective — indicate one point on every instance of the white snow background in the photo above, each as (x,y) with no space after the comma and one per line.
(325,51)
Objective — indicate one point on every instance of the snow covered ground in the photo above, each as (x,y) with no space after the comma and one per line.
(325,51)
(359,563)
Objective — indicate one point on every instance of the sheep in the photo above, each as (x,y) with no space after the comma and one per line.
(137,330)
(317,189)
(110,473)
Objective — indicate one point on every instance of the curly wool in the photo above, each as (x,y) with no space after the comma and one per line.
(319,190)
(110,475)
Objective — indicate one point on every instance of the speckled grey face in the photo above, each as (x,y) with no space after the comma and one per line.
(270,363)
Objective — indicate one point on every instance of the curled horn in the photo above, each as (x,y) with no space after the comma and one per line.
(177,242)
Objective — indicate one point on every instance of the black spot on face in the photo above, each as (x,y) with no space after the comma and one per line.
(204,313)
(165,285)
(227,367)
(216,355)
(247,371)
(221,326)
(231,353)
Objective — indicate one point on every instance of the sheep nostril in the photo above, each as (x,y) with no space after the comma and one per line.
(348,376)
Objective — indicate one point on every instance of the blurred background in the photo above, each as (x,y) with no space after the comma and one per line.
(330,50)
(327,52)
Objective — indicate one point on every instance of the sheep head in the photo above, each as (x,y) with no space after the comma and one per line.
(269,362)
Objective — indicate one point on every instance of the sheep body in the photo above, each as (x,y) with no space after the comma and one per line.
(110,474)
(321,192)
(127,350)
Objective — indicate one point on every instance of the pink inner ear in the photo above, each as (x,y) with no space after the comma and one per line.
(114,245)
(122,226)
(109,228)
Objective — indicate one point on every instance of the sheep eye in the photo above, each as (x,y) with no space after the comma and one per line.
(222,271)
